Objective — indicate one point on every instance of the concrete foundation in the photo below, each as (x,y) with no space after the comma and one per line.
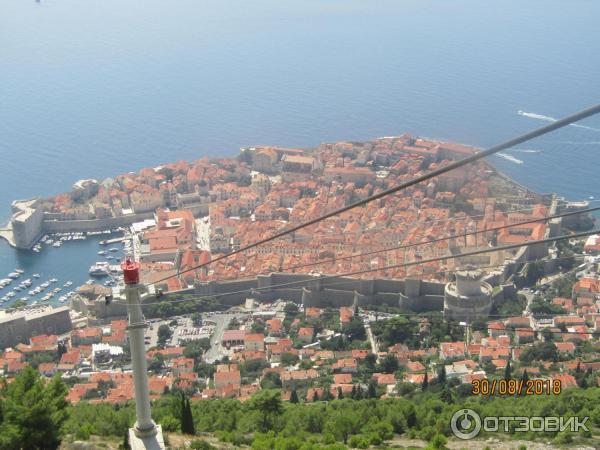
(154,442)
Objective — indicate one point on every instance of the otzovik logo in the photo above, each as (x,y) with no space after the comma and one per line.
(465,424)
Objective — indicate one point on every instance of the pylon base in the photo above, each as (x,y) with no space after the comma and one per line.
(152,442)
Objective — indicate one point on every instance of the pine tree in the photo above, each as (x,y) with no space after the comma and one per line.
(507,371)
(446,395)
(359,393)
(187,419)
(315,396)
(425,384)
(442,374)
(578,368)
(372,390)
(353,393)
(340,394)
(33,412)
(294,397)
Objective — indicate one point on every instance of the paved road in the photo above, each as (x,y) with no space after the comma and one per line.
(372,340)
(203,233)
(221,321)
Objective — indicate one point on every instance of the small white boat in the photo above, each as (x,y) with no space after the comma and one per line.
(68,283)
(52,280)
(100,269)
(19,271)
(36,275)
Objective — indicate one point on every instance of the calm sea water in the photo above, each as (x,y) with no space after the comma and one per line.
(97,88)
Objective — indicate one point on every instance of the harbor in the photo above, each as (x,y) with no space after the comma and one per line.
(58,264)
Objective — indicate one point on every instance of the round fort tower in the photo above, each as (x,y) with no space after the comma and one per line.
(468,298)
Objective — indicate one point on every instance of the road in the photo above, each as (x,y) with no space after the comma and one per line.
(372,340)
(528,294)
(203,233)
(221,321)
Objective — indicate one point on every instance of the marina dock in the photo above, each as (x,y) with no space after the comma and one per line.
(114,240)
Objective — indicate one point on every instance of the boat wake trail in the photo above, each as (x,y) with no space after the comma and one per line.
(552,119)
(525,150)
(510,158)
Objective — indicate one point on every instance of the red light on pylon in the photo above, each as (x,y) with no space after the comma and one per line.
(131,271)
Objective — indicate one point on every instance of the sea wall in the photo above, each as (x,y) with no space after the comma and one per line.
(66,226)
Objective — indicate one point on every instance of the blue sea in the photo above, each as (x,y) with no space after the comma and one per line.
(102,87)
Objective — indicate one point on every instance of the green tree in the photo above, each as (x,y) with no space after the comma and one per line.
(355,330)
(438,442)
(442,374)
(446,395)
(19,303)
(425,383)
(157,363)
(187,420)
(196,347)
(397,330)
(294,396)
(370,361)
(268,403)
(342,424)
(507,371)
(164,334)
(196,319)
(271,380)
(289,359)
(547,335)
(372,389)
(32,412)
(540,351)
(389,364)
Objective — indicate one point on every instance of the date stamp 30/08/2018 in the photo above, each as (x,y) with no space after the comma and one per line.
(516,387)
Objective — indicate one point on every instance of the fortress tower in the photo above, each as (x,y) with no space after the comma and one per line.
(468,298)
